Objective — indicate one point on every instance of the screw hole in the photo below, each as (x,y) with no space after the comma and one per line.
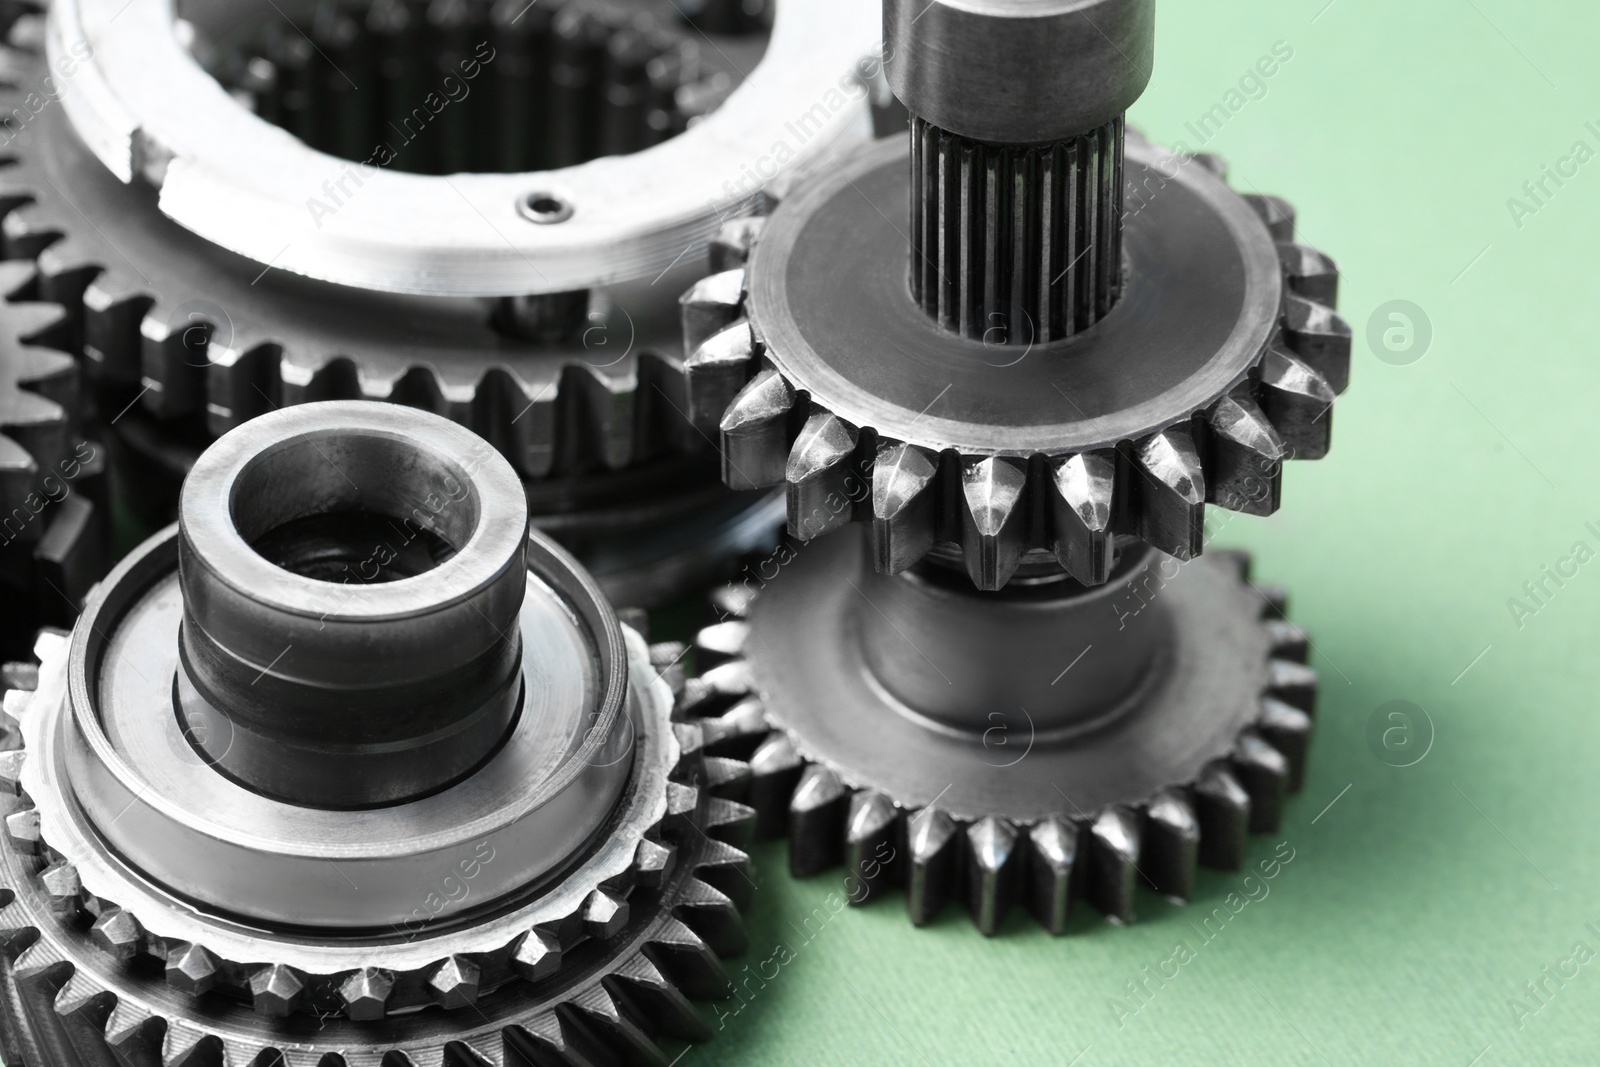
(546,209)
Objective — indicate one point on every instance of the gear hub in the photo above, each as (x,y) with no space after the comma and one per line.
(1025,665)
(345,743)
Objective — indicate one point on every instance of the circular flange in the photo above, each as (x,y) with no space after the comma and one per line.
(1199,305)
(149,112)
(1171,772)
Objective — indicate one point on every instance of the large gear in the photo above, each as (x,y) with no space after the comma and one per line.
(52,536)
(573,386)
(1191,740)
(568,911)
(1032,394)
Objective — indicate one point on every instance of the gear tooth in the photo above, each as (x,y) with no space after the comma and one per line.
(454,982)
(1287,729)
(191,969)
(1235,558)
(117,933)
(141,1045)
(541,1044)
(536,956)
(649,994)
(15,941)
(755,433)
(1264,773)
(734,241)
(732,601)
(12,763)
(726,868)
(1052,858)
(1293,683)
(27,231)
(604,914)
(39,322)
(365,994)
(727,777)
(872,827)
(731,822)
(1310,273)
(461,1054)
(1080,518)
(1289,642)
(937,846)
(721,642)
(715,372)
(1299,401)
(818,474)
(22,829)
(653,862)
(689,961)
(208,1051)
(1171,494)
(994,868)
(1113,855)
(84,1017)
(61,888)
(609,1033)
(1320,337)
(112,313)
(816,821)
(1274,601)
(775,769)
(277,990)
(738,730)
(713,917)
(717,688)
(1246,458)
(602,404)
(710,306)
(905,512)
(994,520)
(1276,212)
(1171,846)
(1222,807)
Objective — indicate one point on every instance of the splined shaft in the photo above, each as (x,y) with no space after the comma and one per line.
(1016,244)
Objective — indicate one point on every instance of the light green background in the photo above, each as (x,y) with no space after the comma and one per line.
(1425,897)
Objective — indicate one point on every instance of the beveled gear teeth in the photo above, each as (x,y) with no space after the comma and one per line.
(998,508)
(992,863)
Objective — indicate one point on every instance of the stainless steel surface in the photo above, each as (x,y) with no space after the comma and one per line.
(150,113)
(1165,754)
(1220,361)
(1018,71)
(340,679)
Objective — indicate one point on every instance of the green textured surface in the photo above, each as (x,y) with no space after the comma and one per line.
(1423,900)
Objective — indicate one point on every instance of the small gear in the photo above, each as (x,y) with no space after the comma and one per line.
(535,852)
(879,710)
(52,537)
(1100,337)
(1025,669)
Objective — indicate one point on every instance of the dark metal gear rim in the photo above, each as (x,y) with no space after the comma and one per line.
(1070,843)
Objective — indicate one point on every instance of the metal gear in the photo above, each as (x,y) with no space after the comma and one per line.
(879,710)
(1098,338)
(567,911)
(573,386)
(1036,498)
(52,536)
